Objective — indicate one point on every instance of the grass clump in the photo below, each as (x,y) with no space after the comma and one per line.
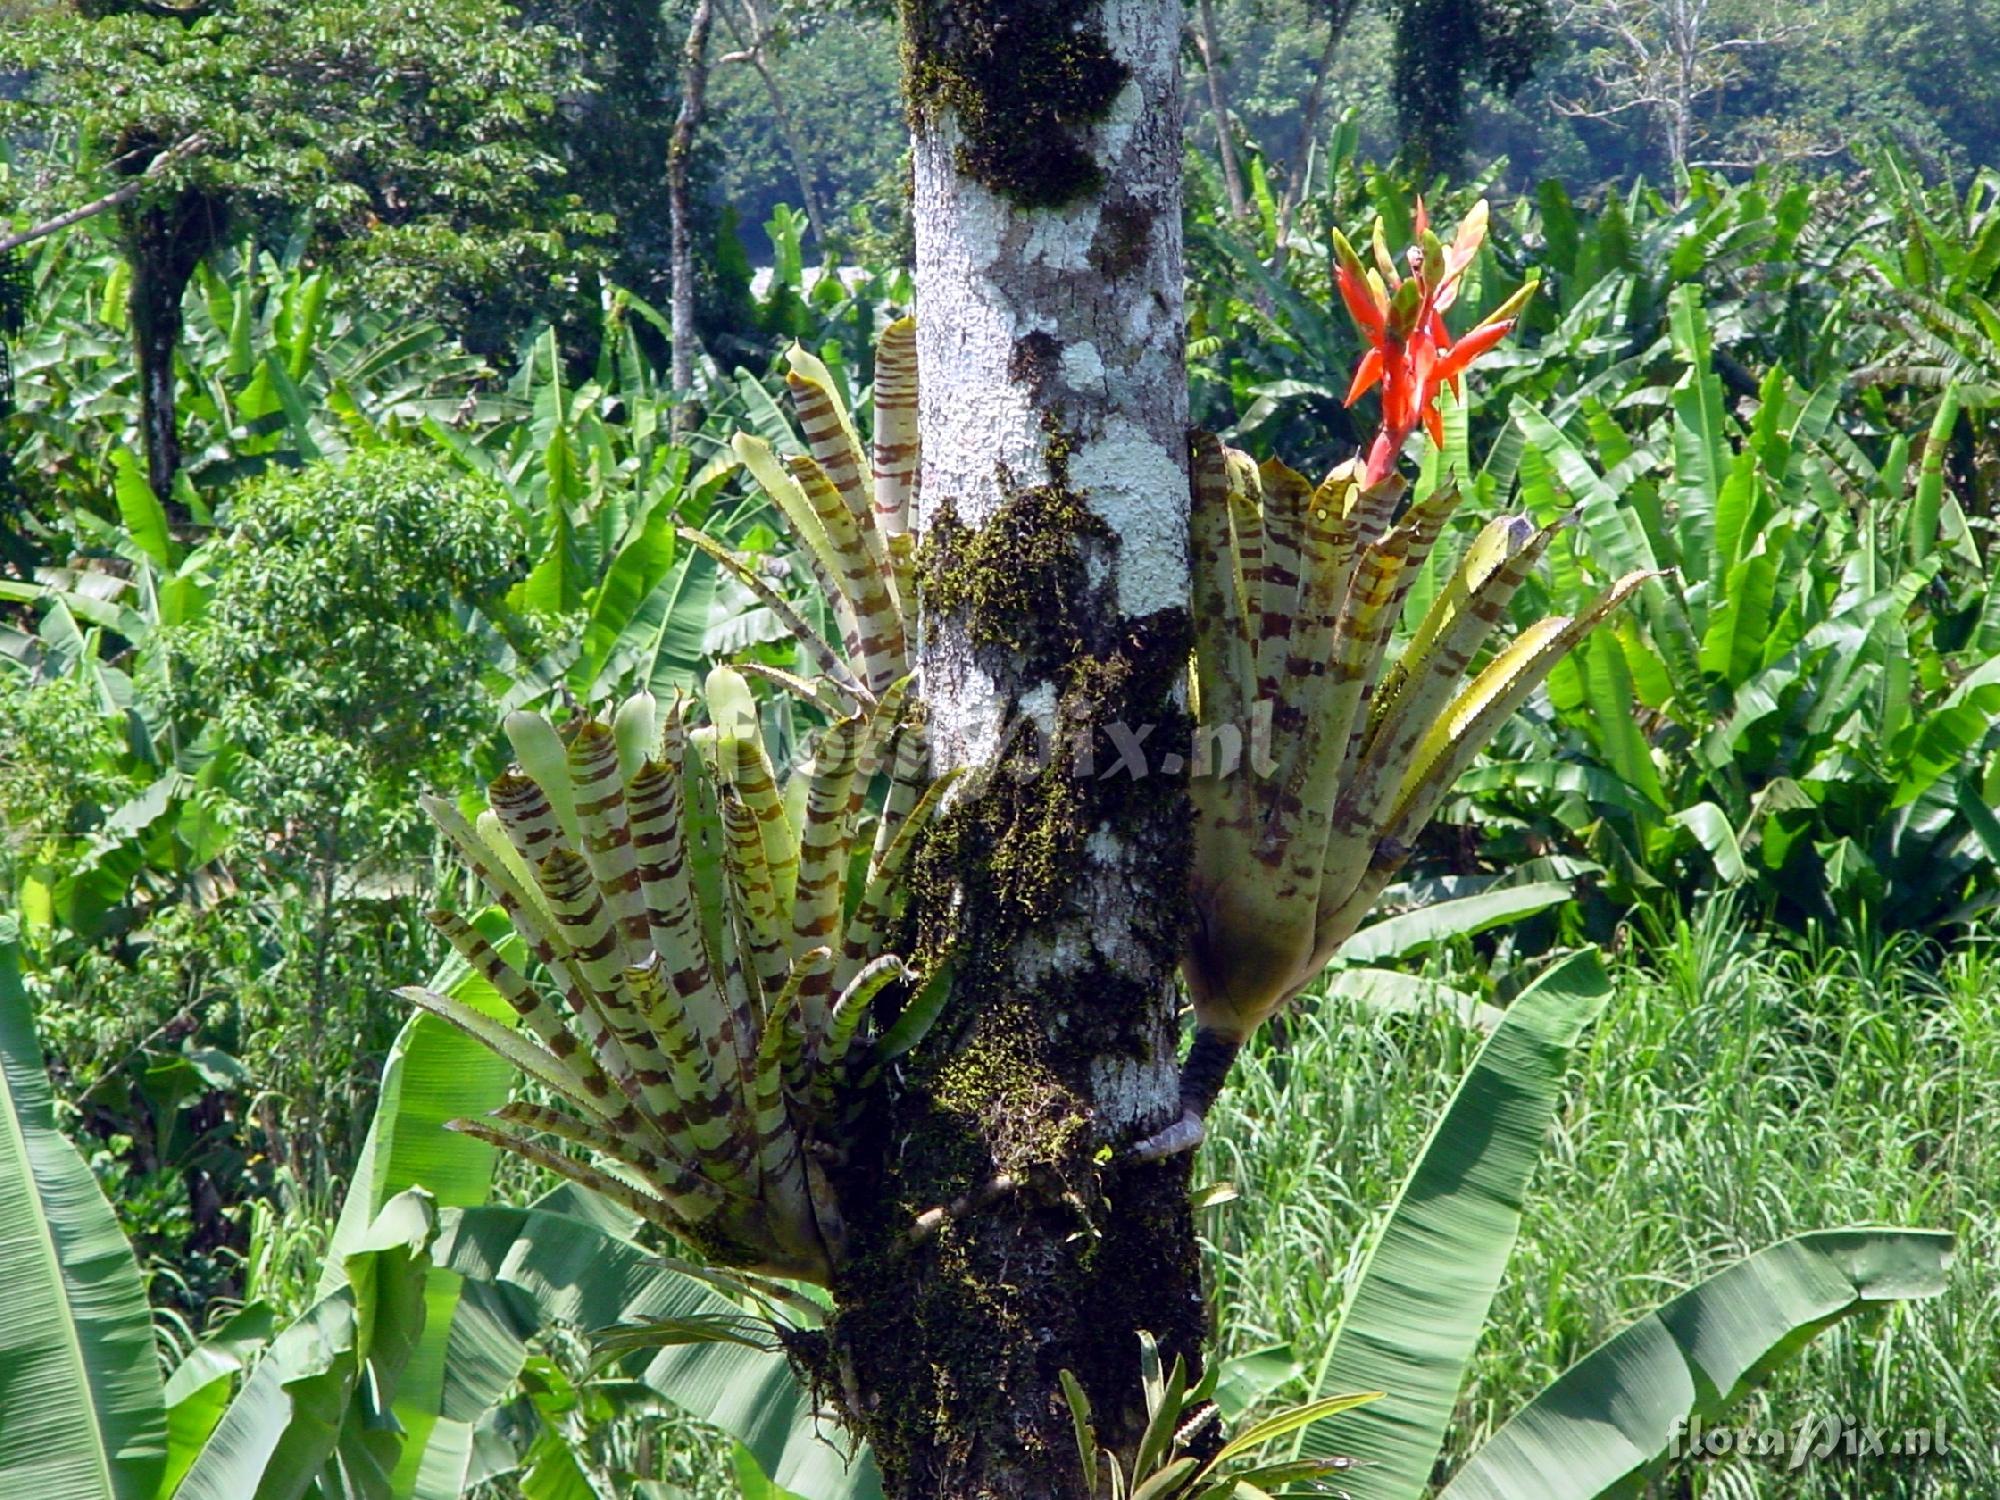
(1735,1092)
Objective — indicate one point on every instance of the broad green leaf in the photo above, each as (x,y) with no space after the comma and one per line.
(1924,508)
(1739,623)
(1392,992)
(1972,806)
(198,1391)
(1607,684)
(1246,1380)
(1740,510)
(296,405)
(1614,533)
(751,1481)
(1467,916)
(1947,737)
(324,1387)
(1414,1317)
(1593,783)
(81,1409)
(669,633)
(640,567)
(1711,828)
(575,1274)
(1601,1425)
(1702,457)
(435,1073)
(145,518)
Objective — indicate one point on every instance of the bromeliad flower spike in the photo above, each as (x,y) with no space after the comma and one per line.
(1411,353)
(1297,591)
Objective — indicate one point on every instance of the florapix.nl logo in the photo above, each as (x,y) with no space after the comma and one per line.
(1817,1438)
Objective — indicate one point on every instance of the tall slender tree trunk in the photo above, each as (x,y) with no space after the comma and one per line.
(1298,177)
(159,280)
(165,242)
(680,250)
(755,50)
(1218,104)
(1054,664)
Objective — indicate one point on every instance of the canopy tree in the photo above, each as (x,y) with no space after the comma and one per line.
(423,147)
(1442,47)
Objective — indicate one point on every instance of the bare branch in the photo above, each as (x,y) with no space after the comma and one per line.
(122,194)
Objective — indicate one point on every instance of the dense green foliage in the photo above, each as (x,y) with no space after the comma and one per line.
(433,158)
(1770,789)
(1733,1091)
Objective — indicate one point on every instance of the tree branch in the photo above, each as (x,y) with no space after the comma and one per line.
(110,200)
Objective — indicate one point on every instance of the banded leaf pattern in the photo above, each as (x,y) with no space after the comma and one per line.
(1310,795)
(701,1045)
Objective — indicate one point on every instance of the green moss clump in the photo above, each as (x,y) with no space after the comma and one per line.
(1019,579)
(1024,78)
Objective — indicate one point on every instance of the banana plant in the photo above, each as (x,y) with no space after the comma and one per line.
(1822,735)
(1297,590)
(708,1030)
(1415,1314)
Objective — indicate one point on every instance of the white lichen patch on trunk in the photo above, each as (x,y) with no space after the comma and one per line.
(1101,278)
(1132,482)
(1097,286)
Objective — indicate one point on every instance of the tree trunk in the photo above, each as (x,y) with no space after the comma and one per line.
(1054,511)
(756,52)
(680,152)
(166,242)
(1218,104)
(158,283)
(1298,177)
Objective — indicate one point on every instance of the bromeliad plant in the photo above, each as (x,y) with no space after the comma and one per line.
(703,1030)
(856,537)
(712,1035)
(1298,589)
(1182,1455)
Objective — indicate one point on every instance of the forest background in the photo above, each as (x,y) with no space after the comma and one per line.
(428,452)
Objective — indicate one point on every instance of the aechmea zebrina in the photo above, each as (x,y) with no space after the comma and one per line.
(849,511)
(694,978)
(1319,759)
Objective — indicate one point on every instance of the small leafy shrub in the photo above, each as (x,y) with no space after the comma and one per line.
(337,647)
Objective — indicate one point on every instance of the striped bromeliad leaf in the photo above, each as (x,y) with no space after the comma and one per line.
(699,1011)
(849,510)
(1327,757)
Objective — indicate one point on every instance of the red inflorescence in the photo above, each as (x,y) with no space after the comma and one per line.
(1411,353)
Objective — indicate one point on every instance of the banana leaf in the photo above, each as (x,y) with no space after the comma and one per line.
(1607,1420)
(564,1270)
(1414,1318)
(81,1410)
(315,1416)
(435,1073)
(1441,921)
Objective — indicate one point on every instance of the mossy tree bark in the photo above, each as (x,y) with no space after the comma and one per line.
(1054,506)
